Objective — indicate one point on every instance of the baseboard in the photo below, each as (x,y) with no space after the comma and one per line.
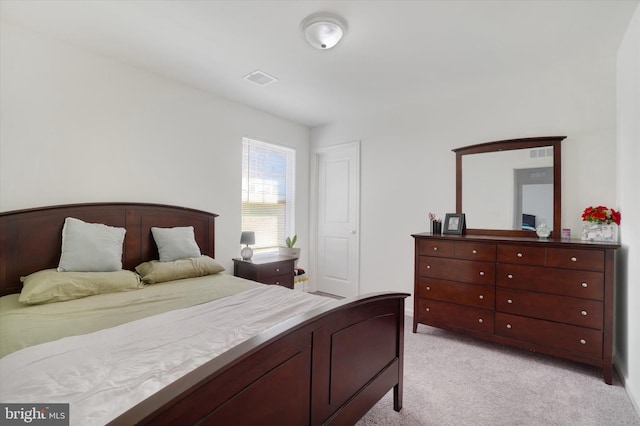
(632,392)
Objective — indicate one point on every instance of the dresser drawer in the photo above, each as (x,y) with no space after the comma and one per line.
(457,270)
(591,260)
(464,294)
(475,251)
(570,338)
(570,310)
(433,312)
(431,247)
(584,284)
(524,255)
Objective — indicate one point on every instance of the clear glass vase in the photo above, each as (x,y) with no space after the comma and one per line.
(592,231)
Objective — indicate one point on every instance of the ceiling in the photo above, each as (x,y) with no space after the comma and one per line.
(394,53)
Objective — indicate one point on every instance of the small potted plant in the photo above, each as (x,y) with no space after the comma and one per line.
(290,249)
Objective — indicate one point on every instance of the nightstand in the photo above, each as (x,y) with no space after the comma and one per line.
(267,269)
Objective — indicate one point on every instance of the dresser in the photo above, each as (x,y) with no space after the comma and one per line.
(549,296)
(267,270)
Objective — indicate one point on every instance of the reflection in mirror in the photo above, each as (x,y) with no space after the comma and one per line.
(510,187)
(498,188)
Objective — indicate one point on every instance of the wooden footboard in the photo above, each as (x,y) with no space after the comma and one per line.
(329,366)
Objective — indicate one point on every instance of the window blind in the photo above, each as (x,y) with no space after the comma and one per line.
(267,193)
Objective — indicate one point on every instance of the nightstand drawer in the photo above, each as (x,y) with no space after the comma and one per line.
(267,270)
(283,280)
(272,270)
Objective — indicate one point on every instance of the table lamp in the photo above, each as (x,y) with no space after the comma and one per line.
(247,237)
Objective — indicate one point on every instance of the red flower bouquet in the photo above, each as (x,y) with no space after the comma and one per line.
(601,214)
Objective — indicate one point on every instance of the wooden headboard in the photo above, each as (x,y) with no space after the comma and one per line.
(30,240)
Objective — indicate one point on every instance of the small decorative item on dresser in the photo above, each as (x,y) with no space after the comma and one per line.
(543,230)
(454,223)
(600,224)
(436,224)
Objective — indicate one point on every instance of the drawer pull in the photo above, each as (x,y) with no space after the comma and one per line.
(474,251)
(481,297)
(509,301)
(510,276)
(277,282)
(428,288)
(519,255)
(584,285)
(435,249)
(583,313)
(428,266)
(481,274)
(584,342)
(480,320)
(508,325)
(574,259)
(427,309)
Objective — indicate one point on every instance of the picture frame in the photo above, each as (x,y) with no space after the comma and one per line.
(454,223)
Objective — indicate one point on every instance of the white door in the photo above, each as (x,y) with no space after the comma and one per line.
(338,213)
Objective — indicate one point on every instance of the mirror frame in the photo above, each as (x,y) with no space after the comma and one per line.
(507,145)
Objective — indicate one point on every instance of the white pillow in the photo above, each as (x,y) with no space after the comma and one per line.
(90,247)
(175,243)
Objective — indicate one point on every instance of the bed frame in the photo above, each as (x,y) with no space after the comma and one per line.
(328,366)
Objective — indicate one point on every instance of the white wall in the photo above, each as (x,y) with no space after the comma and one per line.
(79,127)
(408,168)
(628,178)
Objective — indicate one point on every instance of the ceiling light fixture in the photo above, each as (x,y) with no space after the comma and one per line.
(323,30)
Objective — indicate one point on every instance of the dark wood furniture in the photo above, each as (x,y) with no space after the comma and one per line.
(550,296)
(274,269)
(328,366)
(508,145)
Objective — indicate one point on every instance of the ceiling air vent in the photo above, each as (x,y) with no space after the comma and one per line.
(260,78)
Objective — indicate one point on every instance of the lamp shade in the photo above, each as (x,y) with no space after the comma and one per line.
(248,237)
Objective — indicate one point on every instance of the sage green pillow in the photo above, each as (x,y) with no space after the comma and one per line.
(49,285)
(155,271)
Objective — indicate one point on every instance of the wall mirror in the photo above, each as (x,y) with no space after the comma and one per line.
(509,187)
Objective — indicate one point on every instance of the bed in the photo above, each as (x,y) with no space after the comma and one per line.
(320,362)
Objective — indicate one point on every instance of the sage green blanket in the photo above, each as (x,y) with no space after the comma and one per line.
(27,325)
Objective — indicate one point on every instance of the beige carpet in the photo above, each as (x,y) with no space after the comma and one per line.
(454,380)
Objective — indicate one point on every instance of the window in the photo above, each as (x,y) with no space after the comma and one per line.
(267,193)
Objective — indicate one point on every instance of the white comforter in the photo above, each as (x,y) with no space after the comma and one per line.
(103,374)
